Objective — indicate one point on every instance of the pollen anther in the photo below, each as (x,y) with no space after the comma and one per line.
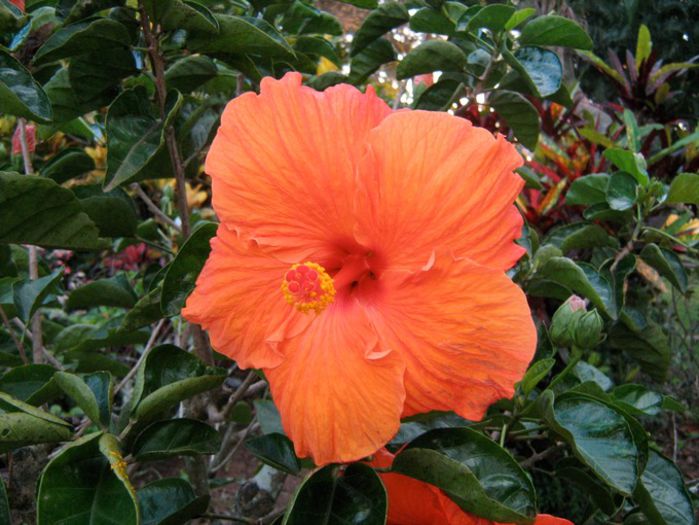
(308,287)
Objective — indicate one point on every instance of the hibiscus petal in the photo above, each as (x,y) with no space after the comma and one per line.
(283,163)
(339,398)
(467,174)
(464,330)
(238,300)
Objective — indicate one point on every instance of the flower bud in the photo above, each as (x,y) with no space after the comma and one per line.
(588,329)
(565,319)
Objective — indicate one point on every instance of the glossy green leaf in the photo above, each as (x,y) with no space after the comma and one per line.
(190,72)
(554,30)
(600,437)
(439,96)
(661,494)
(428,20)
(29,294)
(622,191)
(519,17)
(19,429)
(474,471)
(588,236)
(583,280)
(135,141)
(432,55)
(167,376)
(95,77)
(667,263)
(492,16)
(69,163)
(638,400)
(336,496)
(370,59)
(242,35)
(585,372)
(540,68)
(386,17)
(590,485)
(89,36)
(112,291)
(81,337)
(20,94)
(317,47)
(83,8)
(170,501)
(588,190)
(276,450)
(519,114)
(30,383)
(92,393)
(175,437)
(301,18)
(80,485)
(684,188)
(29,203)
(630,162)
(182,14)
(182,273)
(536,373)
(268,416)
(646,343)
(145,311)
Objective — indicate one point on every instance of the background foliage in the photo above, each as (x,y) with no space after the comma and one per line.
(113,409)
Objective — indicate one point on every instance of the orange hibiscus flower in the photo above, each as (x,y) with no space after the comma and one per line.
(360,263)
(413,502)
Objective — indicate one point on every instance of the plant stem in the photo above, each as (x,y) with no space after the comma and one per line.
(37,335)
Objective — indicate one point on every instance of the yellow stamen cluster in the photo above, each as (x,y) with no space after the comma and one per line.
(308,287)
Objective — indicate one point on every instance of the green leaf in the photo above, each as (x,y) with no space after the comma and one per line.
(667,264)
(476,473)
(30,383)
(170,501)
(268,416)
(432,55)
(336,496)
(644,341)
(589,485)
(518,17)
(190,72)
(317,47)
(630,162)
(19,429)
(588,190)
(67,164)
(90,36)
(276,450)
(553,30)
(145,311)
(661,494)
(439,96)
(112,291)
(428,20)
(493,17)
(242,35)
(182,14)
(622,191)
(644,45)
(167,376)
(95,77)
(638,400)
(692,138)
(370,59)
(135,141)
(20,94)
(84,337)
(175,437)
(301,18)
(29,294)
(9,404)
(588,236)
(364,4)
(583,280)
(381,20)
(600,437)
(633,135)
(80,485)
(183,271)
(92,393)
(83,8)
(519,114)
(535,374)
(684,189)
(29,203)
(540,68)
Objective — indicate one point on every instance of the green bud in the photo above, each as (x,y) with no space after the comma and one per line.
(588,330)
(565,319)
